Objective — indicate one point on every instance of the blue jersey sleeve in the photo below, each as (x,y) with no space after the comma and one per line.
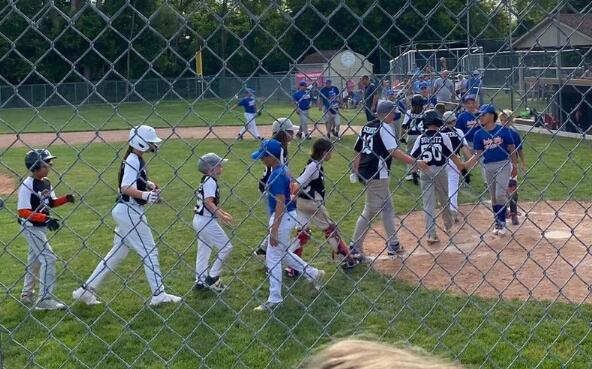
(517,139)
(278,184)
(508,136)
(242,102)
(296,96)
(478,140)
(461,122)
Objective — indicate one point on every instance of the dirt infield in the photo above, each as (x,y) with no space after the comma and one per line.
(546,257)
(73,138)
(6,184)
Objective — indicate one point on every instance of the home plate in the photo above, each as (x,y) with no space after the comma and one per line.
(557,235)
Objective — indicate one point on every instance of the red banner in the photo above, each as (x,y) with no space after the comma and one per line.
(310,77)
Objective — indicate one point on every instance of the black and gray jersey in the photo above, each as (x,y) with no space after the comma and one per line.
(375,143)
(208,188)
(312,181)
(36,195)
(132,173)
(456,136)
(433,147)
(413,123)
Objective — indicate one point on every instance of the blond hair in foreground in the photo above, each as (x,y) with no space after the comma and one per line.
(359,354)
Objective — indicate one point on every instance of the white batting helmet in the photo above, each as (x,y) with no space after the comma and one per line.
(140,138)
(282,124)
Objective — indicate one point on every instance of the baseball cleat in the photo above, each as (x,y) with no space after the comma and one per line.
(515,220)
(408,177)
(317,283)
(432,239)
(357,254)
(85,296)
(501,231)
(291,273)
(199,286)
(28,299)
(49,305)
(395,249)
(350,263)
(267,306)
(259,252)
(214,284)
(164,298)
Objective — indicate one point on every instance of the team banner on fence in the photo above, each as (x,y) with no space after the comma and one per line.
(343,184)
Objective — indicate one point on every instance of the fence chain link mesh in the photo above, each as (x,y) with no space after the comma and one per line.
(77,75)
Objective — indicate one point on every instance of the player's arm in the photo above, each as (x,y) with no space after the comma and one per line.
(304,179)
(522,158)
(374,101)
(472,161)
(277,219)
(217,211)
(24,208)
(448,152)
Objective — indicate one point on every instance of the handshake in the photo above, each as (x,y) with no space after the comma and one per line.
(152,197)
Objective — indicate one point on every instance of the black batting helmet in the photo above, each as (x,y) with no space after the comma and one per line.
(36,158)
(417,100)
(432,118)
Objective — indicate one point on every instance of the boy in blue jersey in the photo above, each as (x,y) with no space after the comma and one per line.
(495,145)
(282,223)
(301,99)
(249,104)
(467,120)
(325,102)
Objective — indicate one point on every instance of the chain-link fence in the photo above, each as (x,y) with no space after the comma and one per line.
(472,245)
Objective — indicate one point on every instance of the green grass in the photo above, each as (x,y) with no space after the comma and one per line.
(162,114)
(173,113)
(223,331)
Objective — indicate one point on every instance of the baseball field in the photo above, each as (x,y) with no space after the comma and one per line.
(222,331)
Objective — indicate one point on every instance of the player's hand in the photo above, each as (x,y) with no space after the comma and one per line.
(514,171)
(71,199)
(52,224)
(422,165)
(152,186)
(274,239)
(224,217)
(152,197)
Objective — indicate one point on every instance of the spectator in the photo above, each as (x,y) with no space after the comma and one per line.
(474,84)
(424,90)
(385,87)
(359,354)
(443,88)
(370,98)
(460,86)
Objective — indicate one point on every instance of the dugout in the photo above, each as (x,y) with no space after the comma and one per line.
(338,65)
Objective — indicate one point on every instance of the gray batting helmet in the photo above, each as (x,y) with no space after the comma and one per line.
(36,158)
(209,161)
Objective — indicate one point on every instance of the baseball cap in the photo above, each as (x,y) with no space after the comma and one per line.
(390,92)
(327,81)
(476,72)
(487,108)
(385,107)
(282,124)
(302,83)
(269,147)
(448,117)
(209,161)
(423,85)
(469,97)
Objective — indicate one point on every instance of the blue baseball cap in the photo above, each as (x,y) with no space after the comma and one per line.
(469,97)
(327,81)
(302,83)
(487,108)
(269,147)
(423,85)
(390,92)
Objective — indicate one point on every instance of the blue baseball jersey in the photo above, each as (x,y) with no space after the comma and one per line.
(279,184)
(494,143)
(303,99)
(516,138)
(473,85)
(324,93)
(463,122)
(401,109)
(249,103)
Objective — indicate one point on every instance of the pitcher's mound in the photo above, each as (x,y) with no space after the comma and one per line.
(546,257)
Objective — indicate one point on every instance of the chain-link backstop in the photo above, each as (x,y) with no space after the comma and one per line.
(77,75)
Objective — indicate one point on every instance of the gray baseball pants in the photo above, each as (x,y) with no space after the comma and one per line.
(40,254)
(434,188)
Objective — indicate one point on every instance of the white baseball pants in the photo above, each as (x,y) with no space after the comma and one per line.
(40,256)
(210,236)
(131,232)
(276,255)
(453,185)
(250,125)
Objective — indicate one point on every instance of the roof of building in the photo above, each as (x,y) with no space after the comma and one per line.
(575,29)
(320,57)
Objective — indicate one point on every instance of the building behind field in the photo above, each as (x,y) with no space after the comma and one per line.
(340,66)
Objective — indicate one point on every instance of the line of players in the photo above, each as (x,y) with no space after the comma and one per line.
(433,152)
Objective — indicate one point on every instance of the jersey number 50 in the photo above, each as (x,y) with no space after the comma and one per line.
(431,152)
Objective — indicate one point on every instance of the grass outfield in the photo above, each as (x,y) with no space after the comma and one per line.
(223,331)
(168,114)
(163,114)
